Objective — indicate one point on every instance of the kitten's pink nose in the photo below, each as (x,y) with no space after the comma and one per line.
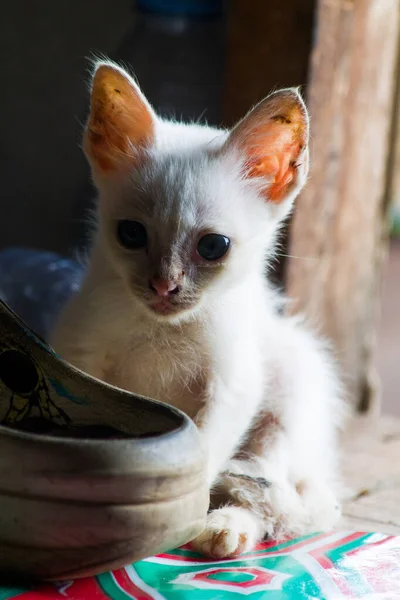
(164,287)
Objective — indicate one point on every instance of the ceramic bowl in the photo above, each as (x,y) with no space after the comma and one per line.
(91,477)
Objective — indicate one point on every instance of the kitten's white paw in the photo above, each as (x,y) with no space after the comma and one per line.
(229,531)
(288,516)
(320,504)
(310,508)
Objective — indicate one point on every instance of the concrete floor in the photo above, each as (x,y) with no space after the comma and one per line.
(388,357)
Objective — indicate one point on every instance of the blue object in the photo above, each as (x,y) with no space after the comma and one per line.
(37,284)
(182,7)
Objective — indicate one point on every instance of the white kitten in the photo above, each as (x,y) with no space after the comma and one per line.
(176,305)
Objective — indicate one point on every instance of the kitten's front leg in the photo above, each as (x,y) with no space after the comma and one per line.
(239,518)
(223,423)
(293,443)
(250,500)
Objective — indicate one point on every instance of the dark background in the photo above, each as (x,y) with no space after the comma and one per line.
(44,47)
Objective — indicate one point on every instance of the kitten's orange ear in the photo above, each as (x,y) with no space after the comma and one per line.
(121,121)
(273,138)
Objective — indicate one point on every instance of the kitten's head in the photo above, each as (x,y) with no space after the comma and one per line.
(186,211)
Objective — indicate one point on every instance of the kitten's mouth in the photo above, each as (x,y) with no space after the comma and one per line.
(163,307)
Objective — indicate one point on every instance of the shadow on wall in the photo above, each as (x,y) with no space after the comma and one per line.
(44,50)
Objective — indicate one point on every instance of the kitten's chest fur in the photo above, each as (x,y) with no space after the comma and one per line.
(167,364)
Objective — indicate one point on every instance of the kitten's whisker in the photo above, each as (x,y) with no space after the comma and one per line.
(294,256)
(82,124)
(200,117)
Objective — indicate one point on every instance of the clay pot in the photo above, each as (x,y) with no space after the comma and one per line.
(91,477)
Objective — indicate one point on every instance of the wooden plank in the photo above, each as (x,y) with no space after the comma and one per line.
(372,475)
(360,524)
(339,217)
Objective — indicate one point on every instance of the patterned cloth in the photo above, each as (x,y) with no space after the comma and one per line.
(330,566)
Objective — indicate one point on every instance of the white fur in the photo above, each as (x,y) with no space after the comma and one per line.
(232,359)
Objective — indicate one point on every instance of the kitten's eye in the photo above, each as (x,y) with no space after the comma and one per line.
(131,234)
(213,246)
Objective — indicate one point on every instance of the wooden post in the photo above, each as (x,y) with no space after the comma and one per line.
(339,225)
(394,158)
